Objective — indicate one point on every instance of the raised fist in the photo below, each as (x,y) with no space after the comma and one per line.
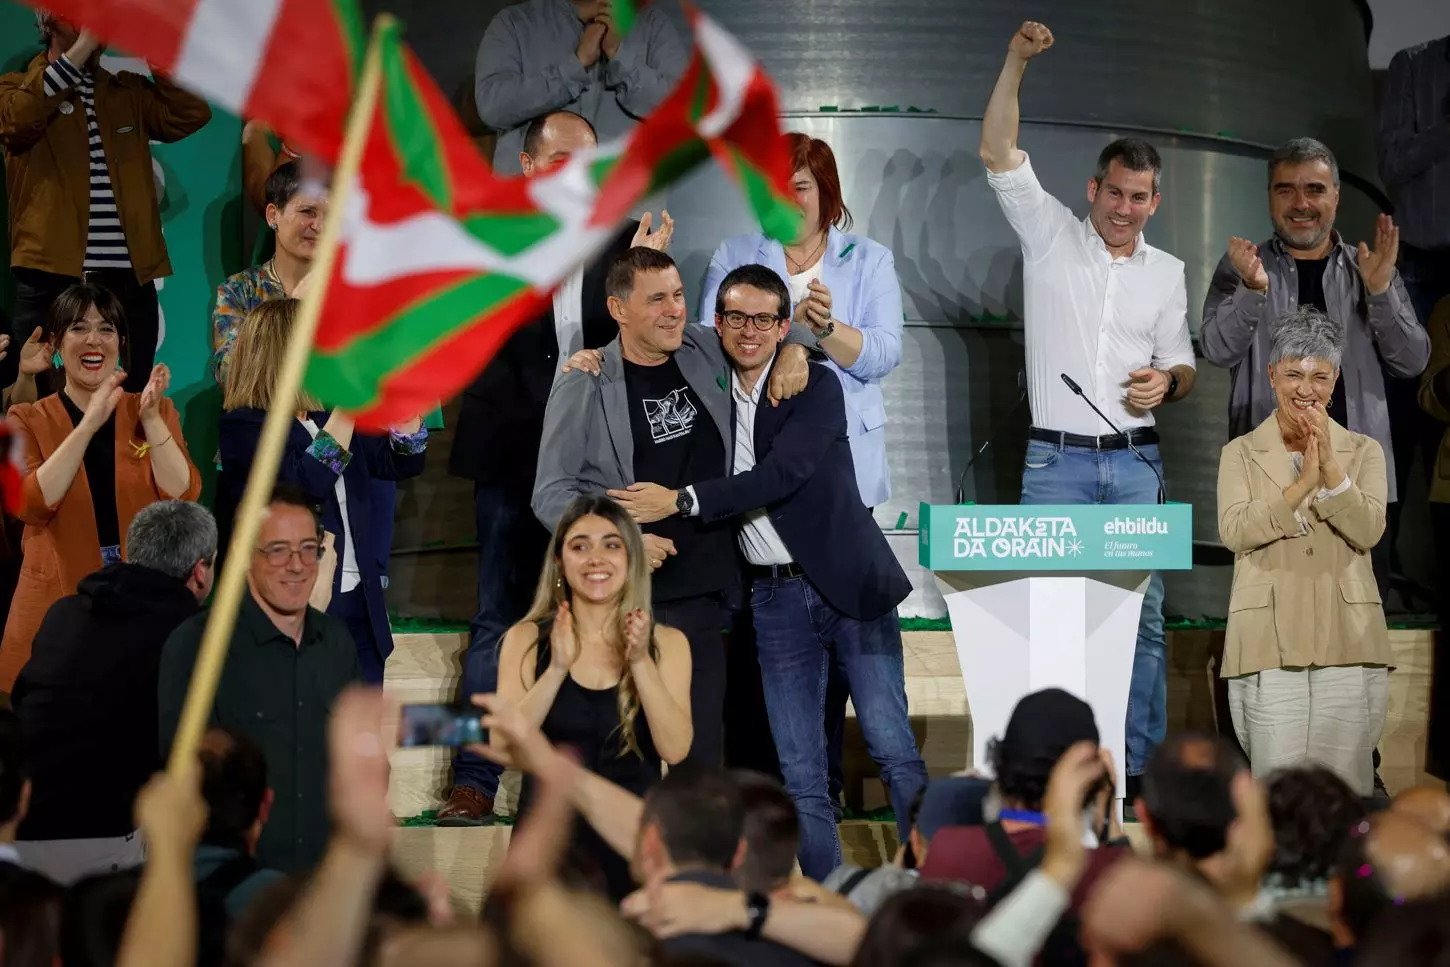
(1031,40)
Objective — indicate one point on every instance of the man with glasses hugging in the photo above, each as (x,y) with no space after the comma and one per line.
(286,665)
(823,580)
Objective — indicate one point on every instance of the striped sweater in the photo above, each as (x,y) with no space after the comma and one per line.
(105,240)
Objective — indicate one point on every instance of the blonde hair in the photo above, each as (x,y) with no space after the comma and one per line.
(553,590)
(257,359)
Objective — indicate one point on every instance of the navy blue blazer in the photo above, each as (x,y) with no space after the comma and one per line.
(805,479)
(373,460)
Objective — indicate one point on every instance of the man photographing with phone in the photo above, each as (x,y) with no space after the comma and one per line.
(1108,311)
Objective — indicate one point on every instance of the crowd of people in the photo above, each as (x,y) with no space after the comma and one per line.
(680,581)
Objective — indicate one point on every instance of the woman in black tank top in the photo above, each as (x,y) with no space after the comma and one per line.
(588,666)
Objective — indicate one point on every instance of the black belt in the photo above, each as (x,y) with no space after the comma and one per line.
(1138,436)
(775,571)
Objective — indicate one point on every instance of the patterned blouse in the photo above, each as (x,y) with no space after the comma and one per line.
(235,298)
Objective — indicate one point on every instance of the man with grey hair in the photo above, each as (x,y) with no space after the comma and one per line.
(1307,263)
(92,673)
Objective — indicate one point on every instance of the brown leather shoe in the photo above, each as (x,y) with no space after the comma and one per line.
(466,806)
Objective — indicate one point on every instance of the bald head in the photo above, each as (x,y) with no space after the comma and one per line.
(1392,858)
(550,139)
(1429,805)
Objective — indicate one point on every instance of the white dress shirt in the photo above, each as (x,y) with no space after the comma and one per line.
(1089,315)
(569,314)
(758,537)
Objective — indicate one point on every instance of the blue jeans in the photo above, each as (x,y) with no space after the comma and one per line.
(1054,474)
(797,633)
(511,548)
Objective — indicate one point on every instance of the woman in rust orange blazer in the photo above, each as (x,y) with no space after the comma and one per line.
(94,455)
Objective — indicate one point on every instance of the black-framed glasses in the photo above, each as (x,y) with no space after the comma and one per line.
(764,321)
(280,553)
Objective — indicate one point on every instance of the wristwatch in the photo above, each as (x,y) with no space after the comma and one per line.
(1172,386)
(757,908)
(684,503)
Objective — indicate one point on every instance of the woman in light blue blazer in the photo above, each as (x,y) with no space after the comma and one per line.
(844,289)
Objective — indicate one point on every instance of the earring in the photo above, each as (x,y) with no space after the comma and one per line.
(55,361)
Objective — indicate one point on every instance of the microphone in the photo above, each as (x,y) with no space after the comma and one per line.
(1021,398)
(1072,385)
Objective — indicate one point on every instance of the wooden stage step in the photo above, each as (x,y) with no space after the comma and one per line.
(425,667)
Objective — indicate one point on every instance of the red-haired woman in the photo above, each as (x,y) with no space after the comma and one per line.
(843,288)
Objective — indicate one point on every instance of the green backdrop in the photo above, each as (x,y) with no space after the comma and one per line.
(202,218)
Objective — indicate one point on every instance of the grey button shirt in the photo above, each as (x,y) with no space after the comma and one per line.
(1414,142)
(527,66)
(1378,329)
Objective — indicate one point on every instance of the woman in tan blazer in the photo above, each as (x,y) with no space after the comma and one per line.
(1301,501)
(75,522)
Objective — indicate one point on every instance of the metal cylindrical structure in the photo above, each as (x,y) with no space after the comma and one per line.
(1213,86)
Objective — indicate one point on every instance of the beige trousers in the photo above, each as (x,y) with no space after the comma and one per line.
(1288,717)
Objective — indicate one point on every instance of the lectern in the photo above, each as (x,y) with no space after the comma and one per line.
(1049,595)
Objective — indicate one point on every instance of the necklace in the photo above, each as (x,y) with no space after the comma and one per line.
(800,264)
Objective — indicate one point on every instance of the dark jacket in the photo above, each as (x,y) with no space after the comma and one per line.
(91,679)
(373,459)
(804,477)
(501,419)
(734,947)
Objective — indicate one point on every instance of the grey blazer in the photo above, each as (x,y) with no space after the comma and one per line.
(588,442)
(1380,331)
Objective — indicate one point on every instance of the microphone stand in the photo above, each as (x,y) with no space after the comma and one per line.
(1021,398)
(1072,385)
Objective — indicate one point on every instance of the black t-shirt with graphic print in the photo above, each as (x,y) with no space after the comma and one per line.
(676,443)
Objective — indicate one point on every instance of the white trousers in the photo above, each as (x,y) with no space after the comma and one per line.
(1333,717)
(68,860)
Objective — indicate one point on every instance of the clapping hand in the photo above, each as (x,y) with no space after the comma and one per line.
(814,310)
(155,390)
(563,642)
(637,628)
(1243,255)
(610,43)
(659,239)
(1029,41)
(1377,265)
(103,402)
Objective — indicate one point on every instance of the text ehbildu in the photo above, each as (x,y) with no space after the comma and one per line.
(1013,536)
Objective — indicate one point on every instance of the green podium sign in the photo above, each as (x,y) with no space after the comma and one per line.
(1056,537)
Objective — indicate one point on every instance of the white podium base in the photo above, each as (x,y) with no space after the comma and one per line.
(1018,637)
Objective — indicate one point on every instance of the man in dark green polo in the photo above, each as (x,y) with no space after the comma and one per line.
(286,665)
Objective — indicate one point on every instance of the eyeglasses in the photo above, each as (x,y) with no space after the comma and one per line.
(765,321)
(280,554)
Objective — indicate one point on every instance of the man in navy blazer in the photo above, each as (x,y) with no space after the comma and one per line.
(823,578)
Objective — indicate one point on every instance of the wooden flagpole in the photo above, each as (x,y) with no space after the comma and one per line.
(263,476)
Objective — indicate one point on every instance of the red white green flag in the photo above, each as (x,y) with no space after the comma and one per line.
(440,260)
(292,63)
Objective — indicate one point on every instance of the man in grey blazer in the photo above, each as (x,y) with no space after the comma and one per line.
(659,410)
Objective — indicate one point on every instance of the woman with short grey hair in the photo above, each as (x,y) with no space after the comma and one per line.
(1301,501)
